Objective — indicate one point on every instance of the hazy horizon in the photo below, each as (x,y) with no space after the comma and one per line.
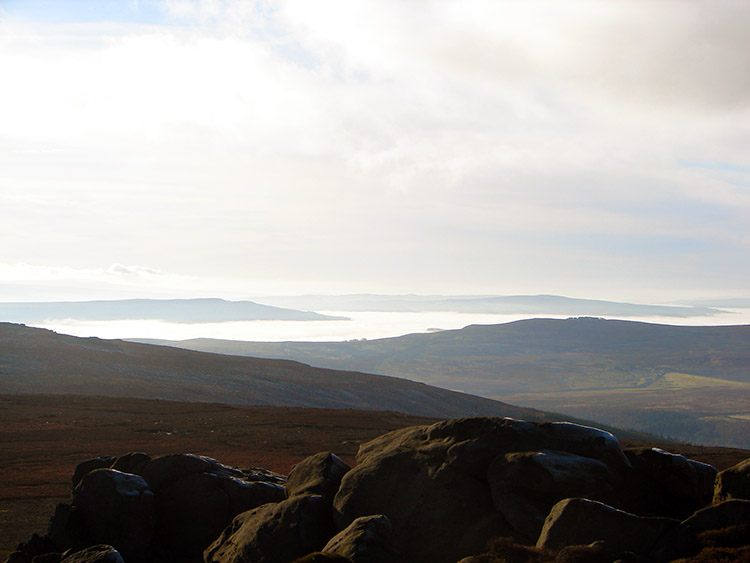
(211,148)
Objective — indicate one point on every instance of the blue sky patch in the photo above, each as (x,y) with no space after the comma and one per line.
(85,11)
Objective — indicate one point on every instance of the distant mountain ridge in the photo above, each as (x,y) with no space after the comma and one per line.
(490,304)
(173,310)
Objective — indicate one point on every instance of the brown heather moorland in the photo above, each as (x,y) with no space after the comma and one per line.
(43,438)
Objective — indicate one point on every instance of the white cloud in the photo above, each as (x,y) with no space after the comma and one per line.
(316,140)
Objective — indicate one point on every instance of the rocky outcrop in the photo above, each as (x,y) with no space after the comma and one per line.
(668,484)
(733,483)
(274,533)
(366,540)
(525,485)
(168,508)
(319,474)
(438,493)
(458,476)
(117,509)
(581,521)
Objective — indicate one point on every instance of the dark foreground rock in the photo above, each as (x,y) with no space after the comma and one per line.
(366,540)
(733,483)
(94,554)
(117,509)
(581,521)
(483,490)
(319,474)
(275,532)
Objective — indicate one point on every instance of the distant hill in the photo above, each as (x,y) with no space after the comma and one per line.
(691,383)
(490,304)
(172,310)
(41,361)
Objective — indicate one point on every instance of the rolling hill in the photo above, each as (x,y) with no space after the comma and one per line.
(628,374)
(41,361)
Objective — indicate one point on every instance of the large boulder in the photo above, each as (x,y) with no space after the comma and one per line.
(366,540)
(133,462)
(32,548)
(579,521)
(118,509)
(86,467)
(319,474)
(723,515)
(274,533)
(191,500)
(166,469)
(193,511)
(733,483)
(526,485)
(435,477)
(67,528)
(666,484)
(683,541)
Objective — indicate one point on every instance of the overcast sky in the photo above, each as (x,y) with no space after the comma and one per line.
(234,149)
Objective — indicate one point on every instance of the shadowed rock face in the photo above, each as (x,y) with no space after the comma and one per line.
(669,484)
(581,521)
(433,493)
(175,508)
(274,532)
(733,483)
(366,540)
(118,509)
(319,474)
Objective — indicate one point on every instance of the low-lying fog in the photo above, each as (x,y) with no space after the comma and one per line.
(367,325)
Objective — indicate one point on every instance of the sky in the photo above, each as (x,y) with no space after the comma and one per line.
(186,148)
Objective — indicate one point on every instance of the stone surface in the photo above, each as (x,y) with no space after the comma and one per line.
(581,522)
(35,546)
(193,511)
(94,554)
(274,533)
(48,558)
(169,468)
(319,474)
(436,478)
(133,462)
(723,515)
(118,509)
(733,483)
(667,484)
(366,540)
(319,557)
(88,466)
(526,485)
(67,528)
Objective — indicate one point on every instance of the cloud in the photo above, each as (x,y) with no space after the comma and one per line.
(119,269)
(379,139)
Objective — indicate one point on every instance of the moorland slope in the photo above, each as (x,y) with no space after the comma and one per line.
(41,361)
(687,382)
